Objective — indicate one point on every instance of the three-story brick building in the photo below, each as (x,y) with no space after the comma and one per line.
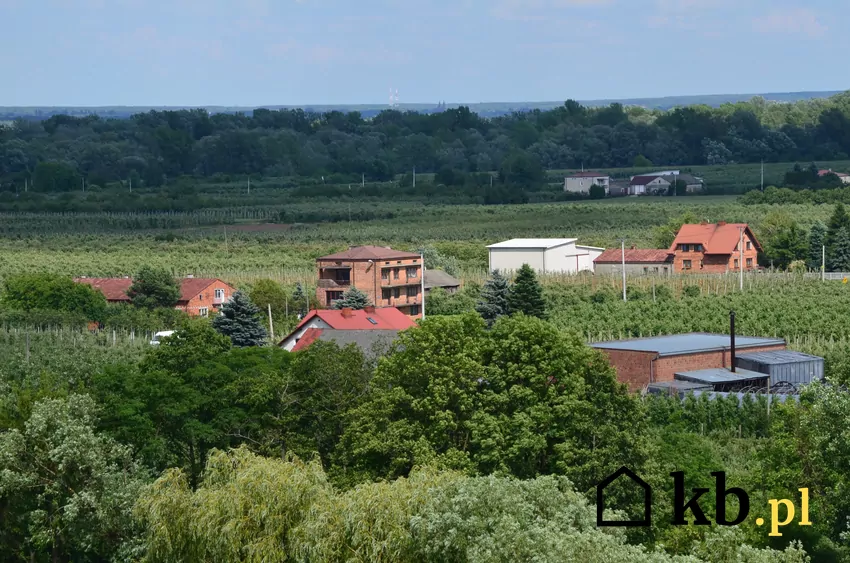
(391,278)
(715,248)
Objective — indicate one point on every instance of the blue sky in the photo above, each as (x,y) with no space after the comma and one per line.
(256,52)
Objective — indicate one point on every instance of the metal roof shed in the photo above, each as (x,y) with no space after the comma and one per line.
(721,379)
(690,343)
(783,366)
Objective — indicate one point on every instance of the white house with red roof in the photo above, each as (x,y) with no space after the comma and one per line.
(380,321)
(580,182)
(845,178)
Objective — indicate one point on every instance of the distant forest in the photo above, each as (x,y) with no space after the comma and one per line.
(64,153)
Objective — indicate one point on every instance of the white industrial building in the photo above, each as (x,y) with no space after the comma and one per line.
(545,255)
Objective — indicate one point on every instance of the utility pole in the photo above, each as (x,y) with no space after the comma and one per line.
(623,249)
(762,175)
(422,258)
(130,180)
(414,176)
(249,185)
(823,263)
(363,180)
(271,323)
(741,258)
(225,240)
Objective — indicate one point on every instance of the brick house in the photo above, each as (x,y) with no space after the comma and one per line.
(639,261)
(642,361)
(714,248)
(362,327)
(198,296)
(391,278)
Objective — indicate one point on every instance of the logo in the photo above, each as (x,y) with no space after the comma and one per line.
(682,505)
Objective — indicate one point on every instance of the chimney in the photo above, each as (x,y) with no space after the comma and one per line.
(347,312)
(370,309)
(732,338)
(721,223)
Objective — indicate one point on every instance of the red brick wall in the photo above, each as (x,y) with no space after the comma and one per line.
(635,368)
(715,264)
(367,277)
(206,299)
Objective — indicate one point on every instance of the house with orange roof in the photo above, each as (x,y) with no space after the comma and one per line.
(198,296)
(715,248)
(360,326)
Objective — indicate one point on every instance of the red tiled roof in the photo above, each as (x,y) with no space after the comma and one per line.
(310,335)
(369,253)
(634,256)
(588,175)
(386,318)
(114,289)
(642,180)
(825,172)
(716,238)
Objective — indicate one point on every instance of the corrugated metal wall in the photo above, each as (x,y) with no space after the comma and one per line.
(798,373)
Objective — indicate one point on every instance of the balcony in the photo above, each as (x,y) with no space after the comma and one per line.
(400,282)
(331,284)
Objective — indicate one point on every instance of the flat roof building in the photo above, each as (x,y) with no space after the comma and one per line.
(640,362)
(544,255)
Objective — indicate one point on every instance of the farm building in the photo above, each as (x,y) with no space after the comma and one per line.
(197,295)
(639,261)
(544,255)
(648,185)
(439,278)
(580,182)
(313,327)
(845,178)
(783,366)
(640,362)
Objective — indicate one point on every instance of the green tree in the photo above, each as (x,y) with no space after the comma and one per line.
(521,169)
(526,294)
(154,287)
(784,241)
(268,292)
(839,220)
(239,320)
(66,490)
(597,192)
(353,299)
(300,301)
(678,188)
(666,234)
(641,161)
(839,258)
(494,300)
(30,292)
(817,240)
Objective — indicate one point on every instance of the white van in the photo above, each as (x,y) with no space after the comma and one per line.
(157,338)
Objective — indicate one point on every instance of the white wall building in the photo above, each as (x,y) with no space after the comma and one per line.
(580,182)
(544,255)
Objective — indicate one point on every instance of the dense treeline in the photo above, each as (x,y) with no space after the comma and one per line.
(64,153)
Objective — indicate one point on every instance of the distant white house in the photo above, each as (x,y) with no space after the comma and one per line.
(580,182)
(648,184)
(545,255)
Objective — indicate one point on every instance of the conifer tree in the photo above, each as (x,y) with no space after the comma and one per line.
(838,221)
(352,299)
(493,302)
(526,295)
(239,321)
(300,301)
(817,239)
(839,260)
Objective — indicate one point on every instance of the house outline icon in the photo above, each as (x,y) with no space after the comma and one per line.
(600,500)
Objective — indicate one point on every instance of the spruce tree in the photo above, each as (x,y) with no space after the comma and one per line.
(239,321)
(352,299)
(817,240)
(839,259)
(493,302)
(301,303)
(838,221)
(526,295)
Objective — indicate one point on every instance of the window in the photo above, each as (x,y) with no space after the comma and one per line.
(686,264)
(736,262)
(646,269)
(412,291)
(204,312)
(219,294)
(371,320)
(749,245)
(396,292)
(685,247)
(385,274)
(749,262)
(396,272)
(333,296)
(412,272)
(655,269)
(414,309)
(386,293)
(697,248)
